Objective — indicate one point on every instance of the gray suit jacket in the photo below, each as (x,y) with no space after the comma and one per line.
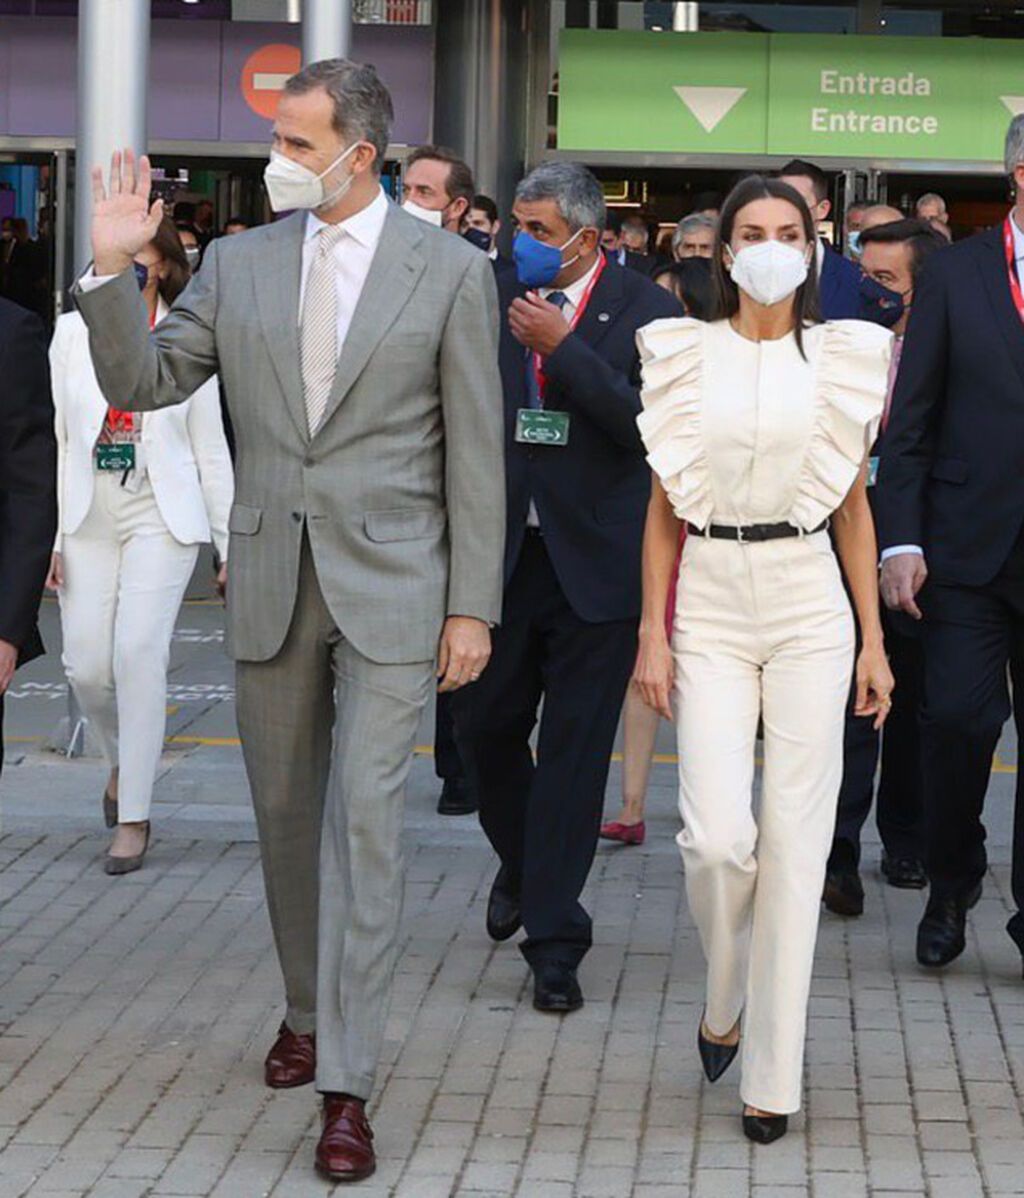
(402,488)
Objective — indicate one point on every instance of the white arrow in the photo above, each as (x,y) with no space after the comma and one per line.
(710,105)
(1014,103)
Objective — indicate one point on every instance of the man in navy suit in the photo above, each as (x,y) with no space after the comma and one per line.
(577,492)
(28,487)
(950,505)
(839,279)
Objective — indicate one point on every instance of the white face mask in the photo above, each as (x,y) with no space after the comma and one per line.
(429,216)
(290,185)
(769,271)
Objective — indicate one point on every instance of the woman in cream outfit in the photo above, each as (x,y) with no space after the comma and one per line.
(127,544)
(757,427)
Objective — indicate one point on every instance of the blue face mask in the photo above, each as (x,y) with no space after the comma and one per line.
(538,264)
(880,304)
(479,238)
(141,275)
(853,241)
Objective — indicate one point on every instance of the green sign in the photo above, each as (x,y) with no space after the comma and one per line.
(817,96)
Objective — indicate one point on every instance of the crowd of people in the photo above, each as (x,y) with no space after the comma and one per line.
(598,479)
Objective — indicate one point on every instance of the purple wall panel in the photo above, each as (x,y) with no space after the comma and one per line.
(41,82)
(184,65)
(196,70)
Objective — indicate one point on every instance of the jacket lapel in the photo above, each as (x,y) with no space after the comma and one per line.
(394,273)
(603,308)
(278,276)
(992,264)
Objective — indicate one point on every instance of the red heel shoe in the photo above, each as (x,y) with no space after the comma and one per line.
(624,833)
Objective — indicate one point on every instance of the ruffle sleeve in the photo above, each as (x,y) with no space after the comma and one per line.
(852,379)
(671,358)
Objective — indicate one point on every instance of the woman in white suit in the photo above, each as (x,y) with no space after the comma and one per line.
(137,495)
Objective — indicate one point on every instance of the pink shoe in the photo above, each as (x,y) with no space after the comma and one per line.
(624,833)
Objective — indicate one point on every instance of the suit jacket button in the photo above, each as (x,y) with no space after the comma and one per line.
(297,517)
(307,461)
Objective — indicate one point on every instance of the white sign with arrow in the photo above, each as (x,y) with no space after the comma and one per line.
(710,105)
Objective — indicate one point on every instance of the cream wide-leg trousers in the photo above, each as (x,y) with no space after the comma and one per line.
(124,580)
(760,629)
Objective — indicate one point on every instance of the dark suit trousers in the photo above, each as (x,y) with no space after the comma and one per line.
(447,764)
(543,818)
(899,812)
(971,634)
(1,734)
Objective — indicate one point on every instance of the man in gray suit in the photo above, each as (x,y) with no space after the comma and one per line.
(357,348)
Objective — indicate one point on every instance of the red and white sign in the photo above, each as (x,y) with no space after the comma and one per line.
(264,75)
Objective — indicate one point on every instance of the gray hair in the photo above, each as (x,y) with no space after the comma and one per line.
(929,197)
(1014,153)
(574,189)
(362,104)
(691,224)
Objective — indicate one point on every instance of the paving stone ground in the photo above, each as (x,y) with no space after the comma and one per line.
(135,1012)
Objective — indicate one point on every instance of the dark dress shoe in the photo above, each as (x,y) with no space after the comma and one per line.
(116,866)
(504,917)
(844,893)
(941,934)
(1016,930)
(765,1129)
(291,1061)
(715,1058)
(456,798)
(556,990)
(345,1152)
(905,873)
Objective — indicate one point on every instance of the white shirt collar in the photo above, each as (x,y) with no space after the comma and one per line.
(363,226)
(819,255)
(1018,238)
(574,292)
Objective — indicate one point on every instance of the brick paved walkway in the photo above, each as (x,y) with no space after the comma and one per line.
(135,1012)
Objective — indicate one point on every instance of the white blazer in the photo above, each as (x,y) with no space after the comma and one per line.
(183,447)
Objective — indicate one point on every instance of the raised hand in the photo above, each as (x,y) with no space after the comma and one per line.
(123,220)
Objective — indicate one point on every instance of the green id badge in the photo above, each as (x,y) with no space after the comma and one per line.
(538,427)
(872,471)
(115,457)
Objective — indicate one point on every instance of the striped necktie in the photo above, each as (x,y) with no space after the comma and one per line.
(319,332)
(533,395)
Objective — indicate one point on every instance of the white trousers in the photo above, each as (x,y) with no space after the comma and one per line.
(760,629)
(124,580)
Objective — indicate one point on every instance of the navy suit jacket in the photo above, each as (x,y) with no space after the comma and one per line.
(951,477)
(839,287)
(591,495)
(28,476)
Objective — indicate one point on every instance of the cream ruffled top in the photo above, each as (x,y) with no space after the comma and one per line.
(744,432)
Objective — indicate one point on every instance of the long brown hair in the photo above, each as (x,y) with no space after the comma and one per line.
(168,244)
(727,295)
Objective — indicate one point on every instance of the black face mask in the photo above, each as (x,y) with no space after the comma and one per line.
(141,275)
(880,304)
(479,238)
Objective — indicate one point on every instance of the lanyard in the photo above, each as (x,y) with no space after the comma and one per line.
(1011,267)
(581,307)
(124,422)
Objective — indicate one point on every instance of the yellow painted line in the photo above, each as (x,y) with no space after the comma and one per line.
(173,709)
(218,742)
(22,740)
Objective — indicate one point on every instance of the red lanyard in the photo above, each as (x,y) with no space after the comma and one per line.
(124,422)
(1011,267)
(581,307)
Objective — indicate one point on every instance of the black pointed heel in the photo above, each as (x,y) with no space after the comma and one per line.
(715,1058)
(765,1129)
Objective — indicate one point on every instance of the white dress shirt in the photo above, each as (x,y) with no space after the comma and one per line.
(1018,247)
(353,255)
(574,294)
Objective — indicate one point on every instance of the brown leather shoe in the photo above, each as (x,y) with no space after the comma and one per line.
(345,1152)
(291,1061)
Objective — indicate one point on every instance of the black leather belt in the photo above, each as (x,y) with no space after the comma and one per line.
(750,533)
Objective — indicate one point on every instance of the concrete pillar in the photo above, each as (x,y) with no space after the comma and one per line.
(113,76)
(480,89)
(326,29)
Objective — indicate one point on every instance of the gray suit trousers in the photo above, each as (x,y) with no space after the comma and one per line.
(327,737)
